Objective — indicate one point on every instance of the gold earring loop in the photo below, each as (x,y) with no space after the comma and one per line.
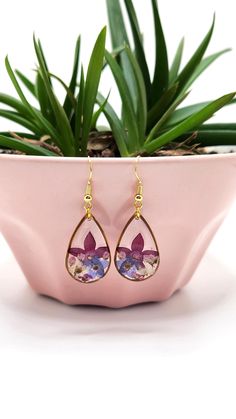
(88,256)
(137,256)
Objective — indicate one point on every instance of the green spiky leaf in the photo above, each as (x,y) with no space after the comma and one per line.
(191,123)
(18,119)
(73,81)
(156,112)
(119,38)
(216,137)
(41,122)
(128,109)
(98,113)
(24,146)
(79,113)
(138,42)
(117,128)
(174,70)
(204,64)
(192,64)
(62,122)
(27,82)
(161,72)
(154,132)
(91,86)
(141,105)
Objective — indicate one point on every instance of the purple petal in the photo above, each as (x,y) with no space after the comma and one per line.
(75,251)
(136,255)
(100,251)
(150,252)
(124,249)
(89,243)
(138,243)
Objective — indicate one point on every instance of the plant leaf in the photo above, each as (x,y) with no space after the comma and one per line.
(70,95)
(72,86)
(62,122)
(117,127)
(191,123)
(24,146)
(43,99)
(141,95)
(222,126)
(35,114)
(79,113)
(156,112)
(116,24)
(91,86)
(119,37)
(161,72)
(15,104)
(138,43)
(27,82)
(28,135)
(202,66)
(16,117)
(99,112)
(164,117)
(216,137)
(181,114)
(174,70)
(191,66)
(128,109)
(42,56)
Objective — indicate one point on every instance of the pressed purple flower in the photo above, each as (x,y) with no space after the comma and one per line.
(136,252)
(91,262)
(136,263)
(89,248)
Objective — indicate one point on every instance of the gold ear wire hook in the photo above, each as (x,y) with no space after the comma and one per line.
(90,168)
(140,185)
(88,192)
(138,199)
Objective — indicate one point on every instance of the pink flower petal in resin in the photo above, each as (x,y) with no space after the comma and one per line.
(137,255)
(88,257)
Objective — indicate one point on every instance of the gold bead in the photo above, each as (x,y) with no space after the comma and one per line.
(138,198)
(87,198)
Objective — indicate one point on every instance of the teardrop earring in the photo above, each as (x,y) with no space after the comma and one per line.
(88,256)
(137,256)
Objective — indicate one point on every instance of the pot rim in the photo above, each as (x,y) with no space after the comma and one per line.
(122,160)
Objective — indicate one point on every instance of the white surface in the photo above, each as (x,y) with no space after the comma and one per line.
(170,360)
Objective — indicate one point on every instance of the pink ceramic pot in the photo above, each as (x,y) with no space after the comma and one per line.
(185,201)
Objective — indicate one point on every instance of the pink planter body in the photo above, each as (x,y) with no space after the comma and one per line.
(185,201)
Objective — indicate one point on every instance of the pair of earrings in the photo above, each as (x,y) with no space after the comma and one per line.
(88,257)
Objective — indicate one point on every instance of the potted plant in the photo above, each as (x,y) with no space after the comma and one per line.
(44,166)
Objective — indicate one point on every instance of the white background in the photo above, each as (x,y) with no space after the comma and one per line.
(169,360)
